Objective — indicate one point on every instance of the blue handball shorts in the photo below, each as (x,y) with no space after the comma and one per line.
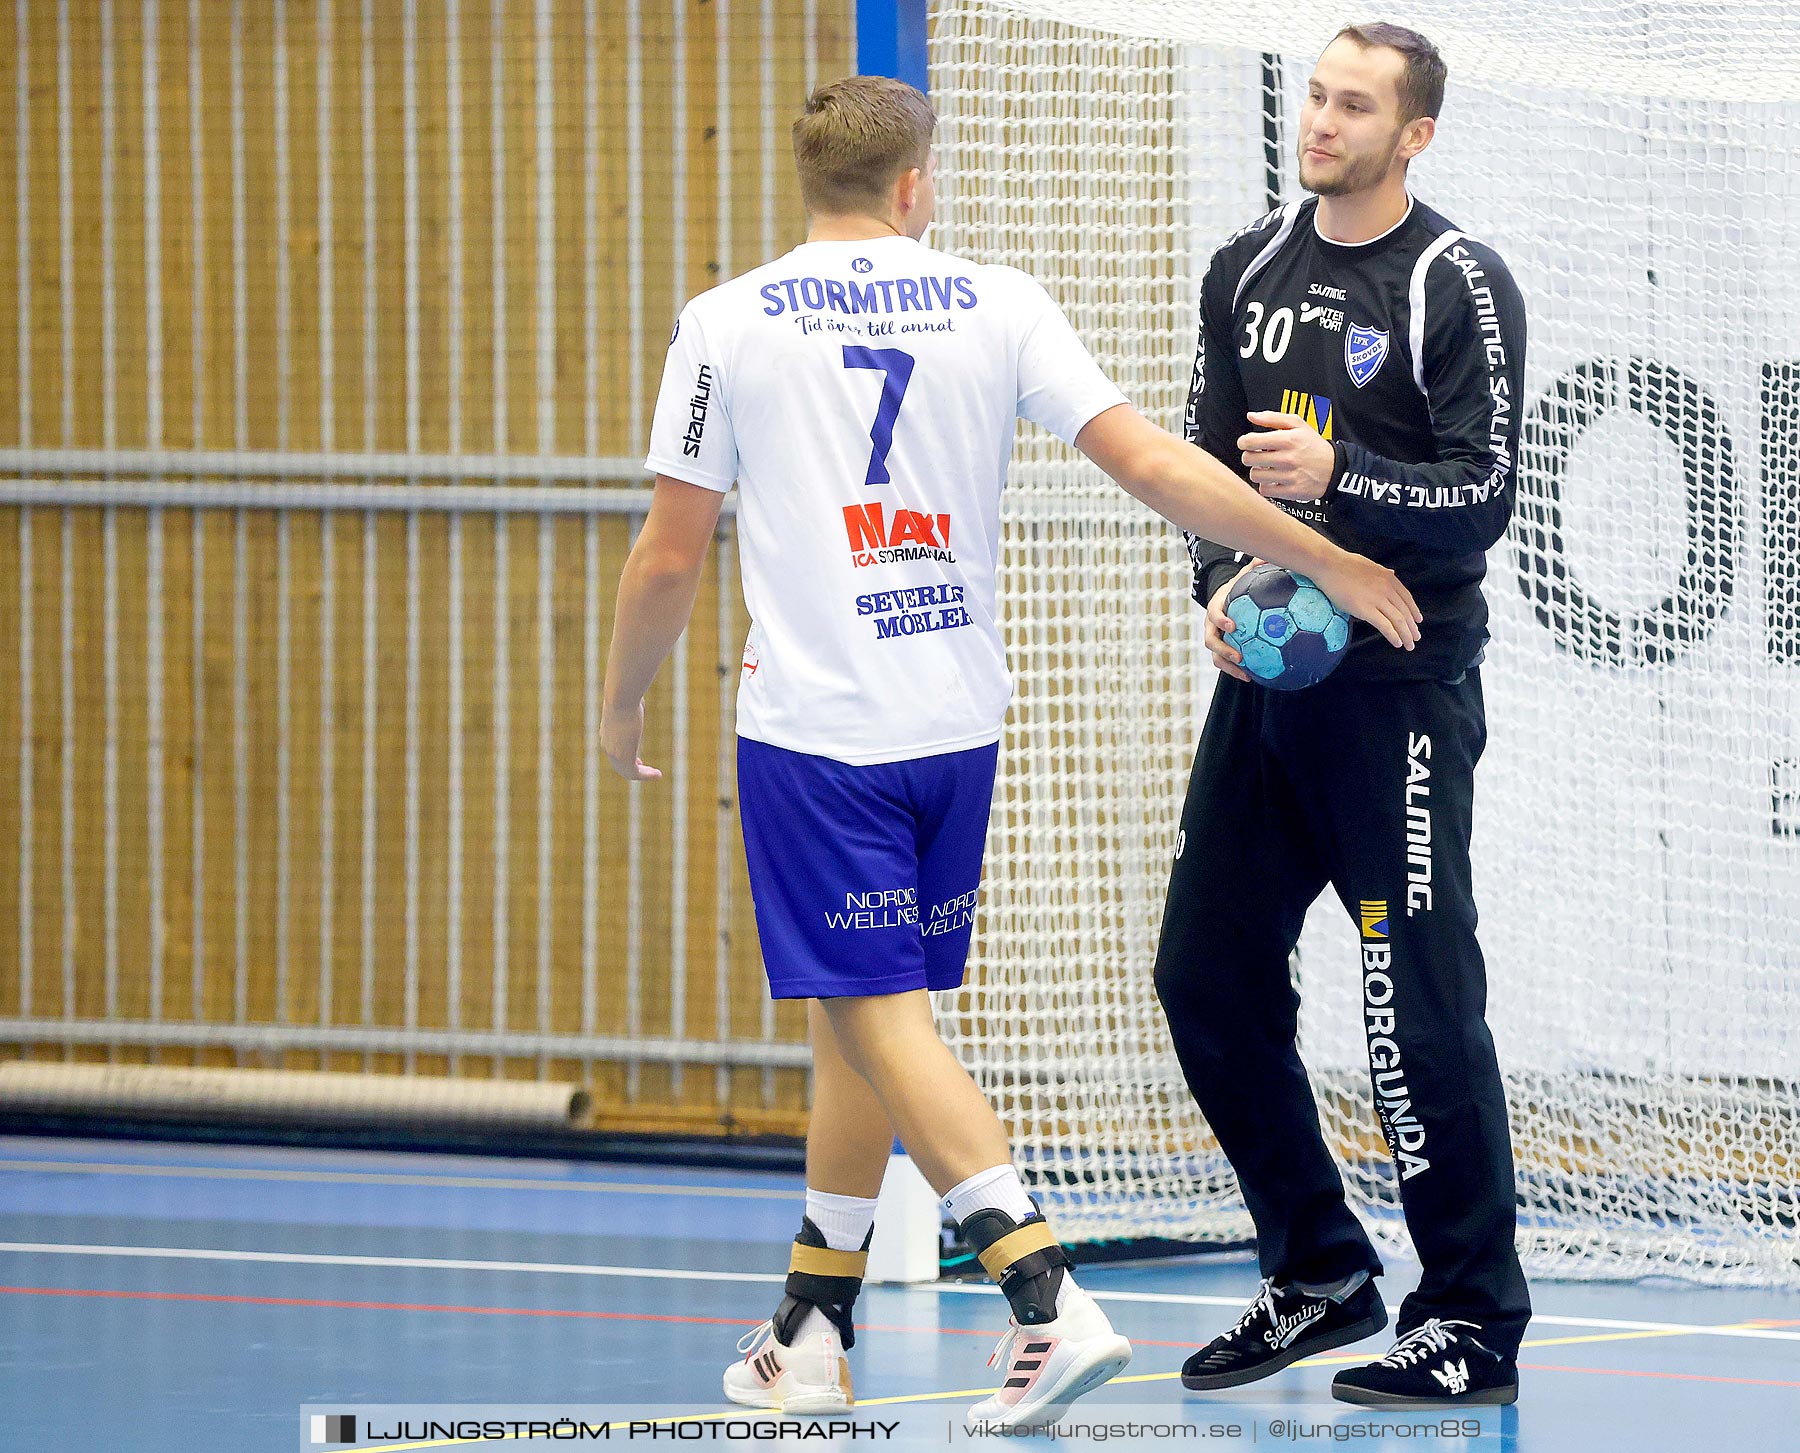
(864,878)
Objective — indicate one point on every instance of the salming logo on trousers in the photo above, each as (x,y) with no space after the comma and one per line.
(1418,823)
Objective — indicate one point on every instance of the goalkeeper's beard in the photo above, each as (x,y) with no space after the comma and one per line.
(1345,178)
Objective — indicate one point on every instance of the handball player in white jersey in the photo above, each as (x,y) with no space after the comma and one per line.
(861,393)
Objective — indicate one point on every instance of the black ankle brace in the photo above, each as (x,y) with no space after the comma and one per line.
(820,1277)
(1023,1257)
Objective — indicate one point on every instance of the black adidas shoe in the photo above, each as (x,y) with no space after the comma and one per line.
(1438,1364)
(1280,1327)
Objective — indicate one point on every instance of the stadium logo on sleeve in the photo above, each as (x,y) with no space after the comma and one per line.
(695,434)
(1314,408)
(1365,350)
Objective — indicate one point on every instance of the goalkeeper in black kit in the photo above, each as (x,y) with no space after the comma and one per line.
(1364,359)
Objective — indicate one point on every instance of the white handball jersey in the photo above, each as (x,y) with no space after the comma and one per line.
(863,395)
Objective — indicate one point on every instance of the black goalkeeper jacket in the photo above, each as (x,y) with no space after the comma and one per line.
(1407,353)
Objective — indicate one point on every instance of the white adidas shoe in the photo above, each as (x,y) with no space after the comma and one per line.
(1046,1367)
(812,1376)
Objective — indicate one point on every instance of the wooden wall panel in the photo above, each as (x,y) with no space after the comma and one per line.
(216,749)
(568,785)
(610,1083)
(519,978)
(177,238)
(430,108)
(226,260)
(122,163)
(299,904)
(43,907)
(387,905)
(15,80)
(609,207)
(11,784)
(128,718)
(41,419)
(573,165)
(82,275)
(179,764)
(84,807)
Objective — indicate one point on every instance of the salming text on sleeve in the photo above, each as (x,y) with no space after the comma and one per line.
(1468,352)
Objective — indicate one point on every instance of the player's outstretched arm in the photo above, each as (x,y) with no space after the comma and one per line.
(1190,488)
(656,596)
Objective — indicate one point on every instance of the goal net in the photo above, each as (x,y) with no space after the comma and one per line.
(1637,849)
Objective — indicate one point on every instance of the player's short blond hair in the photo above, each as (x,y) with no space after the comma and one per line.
(855,137)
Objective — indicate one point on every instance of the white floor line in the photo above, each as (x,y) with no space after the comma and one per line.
(560,1268)
(430,1263)
(375,1178)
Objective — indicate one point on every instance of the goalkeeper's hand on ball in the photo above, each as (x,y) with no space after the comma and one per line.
(1219,625)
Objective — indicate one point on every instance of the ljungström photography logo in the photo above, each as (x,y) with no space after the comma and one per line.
(333,1428)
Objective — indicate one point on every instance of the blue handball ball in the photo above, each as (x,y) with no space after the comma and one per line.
(1288,631)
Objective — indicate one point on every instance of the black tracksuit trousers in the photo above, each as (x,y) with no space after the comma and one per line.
(1367,787)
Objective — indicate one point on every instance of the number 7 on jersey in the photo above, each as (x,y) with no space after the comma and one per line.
(896,369)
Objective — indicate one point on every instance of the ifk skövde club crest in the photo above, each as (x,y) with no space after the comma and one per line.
(1365,350)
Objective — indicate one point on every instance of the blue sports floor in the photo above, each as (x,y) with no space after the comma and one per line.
(196,1298)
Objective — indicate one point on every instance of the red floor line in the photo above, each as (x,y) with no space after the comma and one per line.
(1673,1376)
(368,1306)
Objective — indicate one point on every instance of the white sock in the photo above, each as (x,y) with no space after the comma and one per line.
(995,1189)
(844,1221)
(813,1321)
(999,1189)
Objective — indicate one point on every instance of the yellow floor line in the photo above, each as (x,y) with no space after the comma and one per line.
(1604,1337)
